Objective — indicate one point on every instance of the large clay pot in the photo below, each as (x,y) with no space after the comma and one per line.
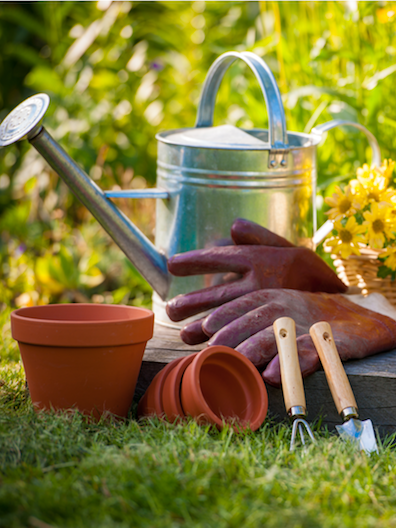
(86,356)
(221,385)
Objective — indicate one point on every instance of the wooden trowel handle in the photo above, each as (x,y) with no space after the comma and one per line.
(341,391)
(292,384)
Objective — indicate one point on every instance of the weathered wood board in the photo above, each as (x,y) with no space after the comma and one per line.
(373,382)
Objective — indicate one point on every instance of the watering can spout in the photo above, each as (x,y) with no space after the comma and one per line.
(24,122)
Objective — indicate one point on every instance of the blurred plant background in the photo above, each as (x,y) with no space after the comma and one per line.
(119,72)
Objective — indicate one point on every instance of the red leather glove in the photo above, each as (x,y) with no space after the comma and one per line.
(246,324)
(260,258)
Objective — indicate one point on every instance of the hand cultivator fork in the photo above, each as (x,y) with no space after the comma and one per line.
(292,384)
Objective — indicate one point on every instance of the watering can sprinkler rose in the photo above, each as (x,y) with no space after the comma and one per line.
(206,178)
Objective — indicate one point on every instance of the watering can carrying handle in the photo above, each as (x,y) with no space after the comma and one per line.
(277,133)
(319,130)
(327,227)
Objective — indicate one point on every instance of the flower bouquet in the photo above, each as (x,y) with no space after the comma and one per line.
(363,241)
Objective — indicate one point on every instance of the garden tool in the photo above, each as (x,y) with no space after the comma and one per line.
(353,429)
(292,384)
(207,177)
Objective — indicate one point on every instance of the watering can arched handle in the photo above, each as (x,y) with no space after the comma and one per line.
(327,227)
(277,133)
(319,130)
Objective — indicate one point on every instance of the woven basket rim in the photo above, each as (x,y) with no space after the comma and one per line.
(360,271)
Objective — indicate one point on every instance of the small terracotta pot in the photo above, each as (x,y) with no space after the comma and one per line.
(171,397)
(86,356)
(151,402)
(221,385)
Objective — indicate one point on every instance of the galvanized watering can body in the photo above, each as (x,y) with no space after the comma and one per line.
(217,174)
(210,187)
(206,178)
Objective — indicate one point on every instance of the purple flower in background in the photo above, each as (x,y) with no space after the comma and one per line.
(20,250)
(157,65)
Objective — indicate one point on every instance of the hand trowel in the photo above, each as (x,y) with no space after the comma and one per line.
(353,429)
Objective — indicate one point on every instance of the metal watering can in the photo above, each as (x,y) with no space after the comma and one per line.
(206,178)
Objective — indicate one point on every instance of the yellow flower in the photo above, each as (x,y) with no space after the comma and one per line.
(347,240)
(386,14)
(372,183)
(379,225)
(342,203)
(364,172)
(390,254)
(386,169)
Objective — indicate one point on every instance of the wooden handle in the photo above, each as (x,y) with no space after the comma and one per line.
(292,384)
(340,387)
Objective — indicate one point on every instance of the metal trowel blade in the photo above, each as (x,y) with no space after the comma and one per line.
(360,433)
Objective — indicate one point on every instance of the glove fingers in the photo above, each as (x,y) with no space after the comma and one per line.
(246,232)
(232,310)
(192,333)
(190,304)
(247,325)
(308,358)
(212,260)
(260,348)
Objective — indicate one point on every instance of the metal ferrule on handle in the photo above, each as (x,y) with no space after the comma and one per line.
(277,132)
(138,248)
(348,413)
(297,410)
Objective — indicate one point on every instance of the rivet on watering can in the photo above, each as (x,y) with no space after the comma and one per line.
(273,163)
(284,163)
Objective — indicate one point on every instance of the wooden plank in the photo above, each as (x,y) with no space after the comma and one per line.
(373,382)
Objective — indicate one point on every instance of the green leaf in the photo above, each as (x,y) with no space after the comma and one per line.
(384,271)
(24,53)
(121,295)
(21,18)
(69,268)
(359,217)
(45,79)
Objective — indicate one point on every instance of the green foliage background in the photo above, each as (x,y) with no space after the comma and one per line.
(119,72)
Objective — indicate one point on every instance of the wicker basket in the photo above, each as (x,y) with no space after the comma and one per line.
(361,272)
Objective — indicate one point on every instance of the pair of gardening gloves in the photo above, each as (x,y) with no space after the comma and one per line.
(266,277)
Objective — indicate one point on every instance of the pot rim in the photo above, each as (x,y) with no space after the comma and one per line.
(36,330)
(19,313)
(194,369)
(171,389)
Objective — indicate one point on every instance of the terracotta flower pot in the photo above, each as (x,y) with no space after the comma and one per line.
(151,402)
(171,392)
(223,385)
(86,356)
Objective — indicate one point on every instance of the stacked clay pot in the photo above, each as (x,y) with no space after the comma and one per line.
(217,385)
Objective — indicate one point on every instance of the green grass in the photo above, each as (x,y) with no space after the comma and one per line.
(63,470)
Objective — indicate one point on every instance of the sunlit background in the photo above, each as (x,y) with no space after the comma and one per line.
(119,72)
